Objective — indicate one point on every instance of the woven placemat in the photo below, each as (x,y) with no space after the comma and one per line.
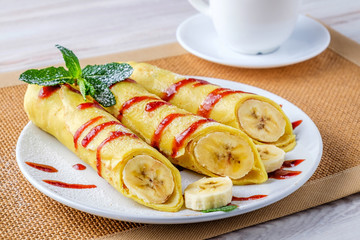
(326,87)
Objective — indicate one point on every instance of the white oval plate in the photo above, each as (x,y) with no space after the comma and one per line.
(197,35)
(34,145)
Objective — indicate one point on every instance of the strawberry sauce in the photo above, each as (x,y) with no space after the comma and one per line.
(79,166)
(254,197)
(173,89)
(125,80)
(126,105)
(89,105)
(209,102)
(284,174)
(47,91)
(72,89)
(42,167)
(200,82)
(82,129)
(95,131)
(296,124)
(181,138)
(69,185)
(164,123)
(292,163)
(113,136)
(212,99)
(152,106)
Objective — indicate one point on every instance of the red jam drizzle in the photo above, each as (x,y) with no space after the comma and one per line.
(89,105)
(69,185)
(200,82)
(173,89)
(79,166)
(170,92)
(72,89)
(254,197)
(129,80)
(125,80)
(292,163)
(42,167)
(95,131)
(82,129)
(296,124)
(283,174)
(164,123)
(152,106)
(47,91)
(180,139)
(126,105)
(212,99)
(113,135)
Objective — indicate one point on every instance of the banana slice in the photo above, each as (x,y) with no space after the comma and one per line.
(261,120)
(272,157)
(149,179)
(224,154)
(208,193)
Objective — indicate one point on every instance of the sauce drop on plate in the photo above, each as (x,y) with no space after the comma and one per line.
(42,167)
(254,197)
(79,166)
(69,185)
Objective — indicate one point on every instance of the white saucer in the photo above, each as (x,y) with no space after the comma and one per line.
(197,35)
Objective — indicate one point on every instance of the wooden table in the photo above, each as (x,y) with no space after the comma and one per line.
(30,29)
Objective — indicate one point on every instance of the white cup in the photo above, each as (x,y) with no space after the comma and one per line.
(251,26)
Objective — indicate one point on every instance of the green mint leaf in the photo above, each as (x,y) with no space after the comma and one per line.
(82,86)
(47,77)
(109,74)
(71,61)
(100,92)
(92,80)
(226,208)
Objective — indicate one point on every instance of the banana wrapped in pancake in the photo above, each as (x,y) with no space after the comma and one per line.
(259,117)
(188,140)
(130,165)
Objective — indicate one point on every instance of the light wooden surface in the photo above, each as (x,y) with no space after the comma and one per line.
(332,221)
(30,29)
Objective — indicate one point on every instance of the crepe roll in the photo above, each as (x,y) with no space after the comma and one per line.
(130,165)
(189,140)
(260,118)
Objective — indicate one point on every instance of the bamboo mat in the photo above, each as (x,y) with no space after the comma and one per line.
(326,88)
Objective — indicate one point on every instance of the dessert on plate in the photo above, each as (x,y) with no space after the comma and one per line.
(259,117)
(189,140)
(130,165)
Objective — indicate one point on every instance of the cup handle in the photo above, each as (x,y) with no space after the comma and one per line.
(201,6)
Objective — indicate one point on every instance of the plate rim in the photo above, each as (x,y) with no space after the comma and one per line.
(176,219)
(233,63)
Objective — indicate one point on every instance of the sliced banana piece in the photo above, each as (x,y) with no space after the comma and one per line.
(208,193)
(272,157)
(261,121)
(148,179)
(224,154)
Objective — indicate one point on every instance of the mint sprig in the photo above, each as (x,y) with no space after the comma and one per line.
(71,61)
(226,208)
(47,77)
(109,73)
(92,80)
